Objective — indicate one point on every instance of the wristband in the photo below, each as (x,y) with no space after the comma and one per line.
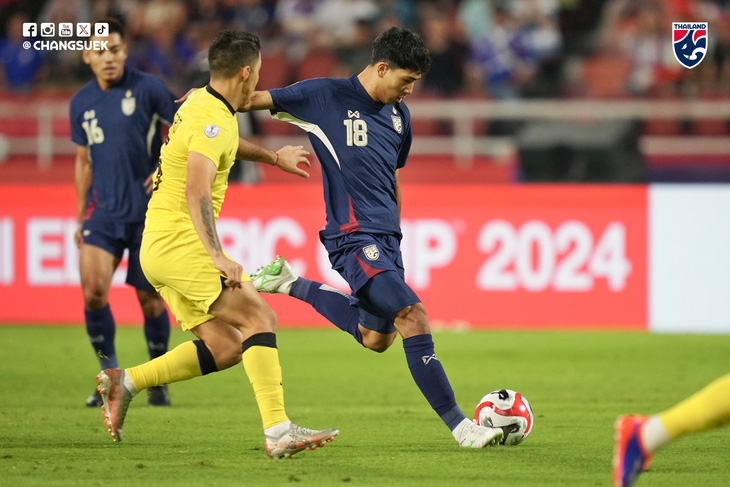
(277,160)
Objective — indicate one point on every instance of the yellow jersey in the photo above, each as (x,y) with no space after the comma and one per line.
(206,123)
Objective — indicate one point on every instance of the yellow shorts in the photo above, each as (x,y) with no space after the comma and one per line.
(181,270)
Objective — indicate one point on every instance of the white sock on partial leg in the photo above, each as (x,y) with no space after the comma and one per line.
(278,429)
(653,434)
(128,384)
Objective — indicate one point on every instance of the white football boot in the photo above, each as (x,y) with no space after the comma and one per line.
(471,435)
(274,278)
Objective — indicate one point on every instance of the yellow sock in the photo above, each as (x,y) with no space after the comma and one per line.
(707,408)
(180,363)
(264,372)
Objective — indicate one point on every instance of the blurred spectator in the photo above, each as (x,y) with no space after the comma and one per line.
(20,66)
(503,61)
(398,13)
(167,54)
(319,34)
(145,17)
(66,11)
(579,26)
(205,11)
(353,56)
(476,17)
(448,55)
(200,34)
(641,32)
(296,18)
(65,65)
(336,21)
(717,80)
(696,10)
(250,15)
(539,21)
(163,47)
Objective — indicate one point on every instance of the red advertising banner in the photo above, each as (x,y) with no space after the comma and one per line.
(546,255)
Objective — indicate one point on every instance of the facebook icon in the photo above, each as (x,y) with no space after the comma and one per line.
(30,29)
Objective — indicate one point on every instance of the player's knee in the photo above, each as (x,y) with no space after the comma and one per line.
(379,343)
(151,303)
(235,357)
(227,354)
(258,319)
(379,347)
(266,320)
(95,296)
(412,320)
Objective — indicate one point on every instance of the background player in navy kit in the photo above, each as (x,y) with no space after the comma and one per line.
(115,124)
(361,131)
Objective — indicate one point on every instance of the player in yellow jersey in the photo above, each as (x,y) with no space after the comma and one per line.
(181,255)
(638,437)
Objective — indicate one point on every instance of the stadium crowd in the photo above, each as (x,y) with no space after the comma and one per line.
(491,48)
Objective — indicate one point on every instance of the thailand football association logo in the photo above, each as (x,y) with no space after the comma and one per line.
(371,252)
(128,104)
(397,123)
(690,42)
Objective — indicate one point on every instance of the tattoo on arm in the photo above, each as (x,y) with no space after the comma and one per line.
(208,216)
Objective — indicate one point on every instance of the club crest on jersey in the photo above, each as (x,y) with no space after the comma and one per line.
(211,131)
(128,103)
(690,42)
(397,124)
(371,252)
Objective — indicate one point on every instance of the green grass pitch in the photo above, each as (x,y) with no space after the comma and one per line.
(577,383)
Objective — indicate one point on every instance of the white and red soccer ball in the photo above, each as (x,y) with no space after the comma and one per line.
(508,410)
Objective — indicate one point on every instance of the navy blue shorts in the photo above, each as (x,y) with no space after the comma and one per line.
(114,237)
(373,267)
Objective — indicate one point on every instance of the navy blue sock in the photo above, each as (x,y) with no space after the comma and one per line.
(157,334)
(331,303)
(430,377)
(101,328)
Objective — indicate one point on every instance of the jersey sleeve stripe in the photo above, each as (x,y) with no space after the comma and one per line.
(151,132)
(311,128)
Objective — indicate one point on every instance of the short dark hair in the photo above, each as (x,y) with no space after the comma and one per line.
(231,50)
(115,26)
(402,49)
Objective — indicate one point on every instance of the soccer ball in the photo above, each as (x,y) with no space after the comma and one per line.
(508,410)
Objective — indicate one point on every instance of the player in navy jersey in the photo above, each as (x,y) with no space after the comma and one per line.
(360,130)
(115,123)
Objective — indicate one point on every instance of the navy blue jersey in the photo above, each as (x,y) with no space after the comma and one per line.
(360,143)
(122,128)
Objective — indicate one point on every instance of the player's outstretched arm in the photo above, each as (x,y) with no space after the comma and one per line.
(186,95)
(287,158)
(201,173)
(260,100)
